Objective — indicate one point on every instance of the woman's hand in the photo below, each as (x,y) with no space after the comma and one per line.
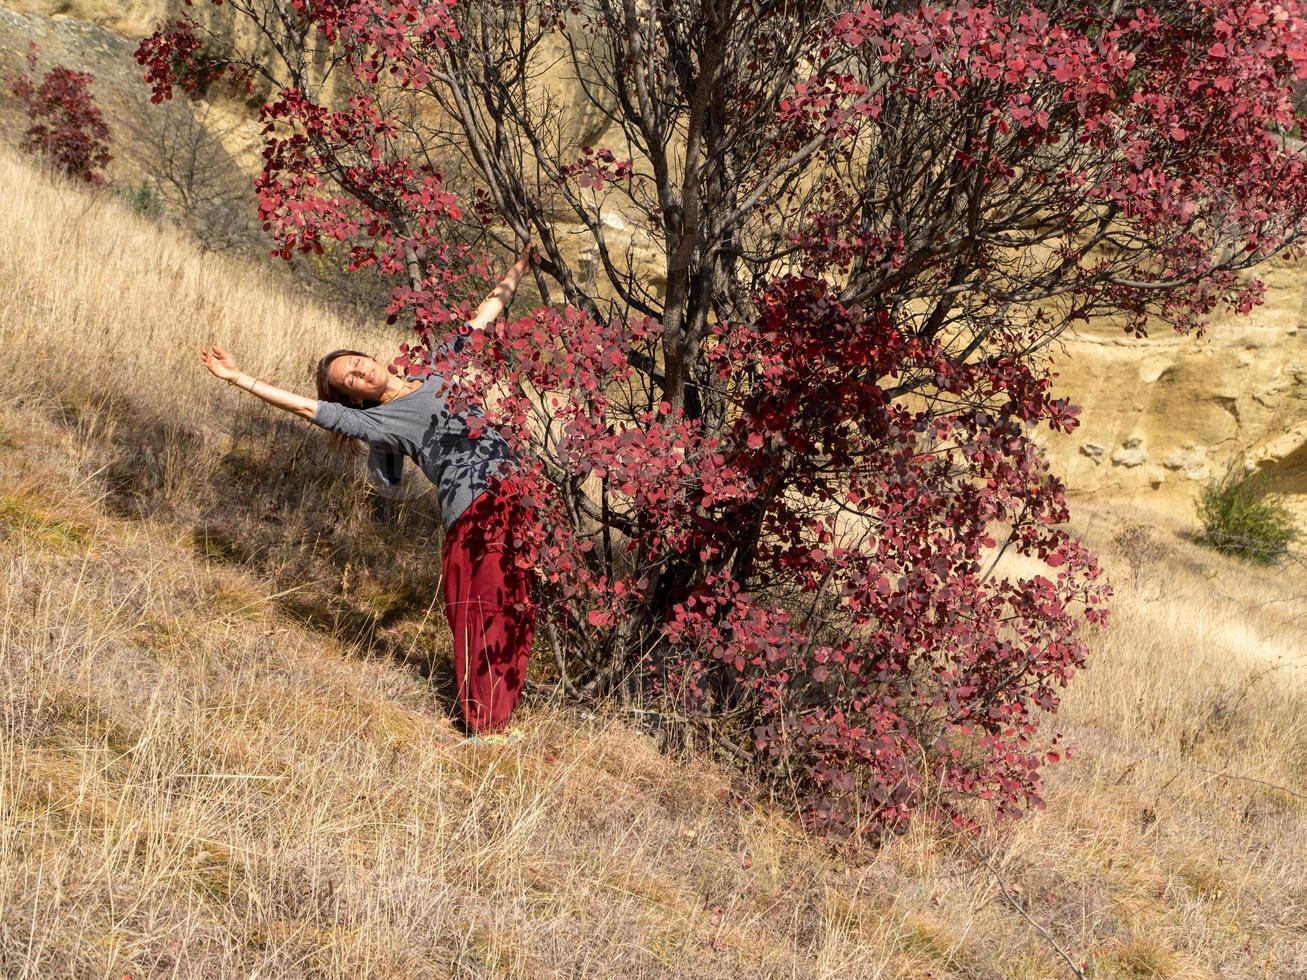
(530,257)
(219,363)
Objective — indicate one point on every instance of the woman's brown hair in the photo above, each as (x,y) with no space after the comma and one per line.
(327,392)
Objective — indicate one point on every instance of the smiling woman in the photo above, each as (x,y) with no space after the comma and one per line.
(351,377)
(487,595)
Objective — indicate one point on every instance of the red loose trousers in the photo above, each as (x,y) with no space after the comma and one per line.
(490,609)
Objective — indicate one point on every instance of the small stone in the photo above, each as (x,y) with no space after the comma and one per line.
(1191,460)
(1178,459)
(1130,455)
(1092,449)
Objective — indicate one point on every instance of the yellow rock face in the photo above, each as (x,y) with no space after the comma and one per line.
(1164,413)
(132,18)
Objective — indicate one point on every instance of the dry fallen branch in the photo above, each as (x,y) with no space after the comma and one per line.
(1044,933)
(1252,779)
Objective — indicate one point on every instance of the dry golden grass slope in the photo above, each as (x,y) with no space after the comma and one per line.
(219,754)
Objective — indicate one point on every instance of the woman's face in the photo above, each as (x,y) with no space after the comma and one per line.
(358,378)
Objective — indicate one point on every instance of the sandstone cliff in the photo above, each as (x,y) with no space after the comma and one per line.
(1163,413)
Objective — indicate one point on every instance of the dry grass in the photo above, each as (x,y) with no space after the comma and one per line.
(217,757)
(101,322)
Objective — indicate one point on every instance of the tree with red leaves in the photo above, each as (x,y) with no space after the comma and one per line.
(68,130)
(780,410)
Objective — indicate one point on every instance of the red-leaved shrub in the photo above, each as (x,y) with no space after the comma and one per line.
(778,416)
(68,130)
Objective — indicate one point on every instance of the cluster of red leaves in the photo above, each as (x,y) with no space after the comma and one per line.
(1179,113)
(68,130)
(865,649)
(554,382)
(385,38)
(817,568)
(904,665)
(170,56)
(594,168)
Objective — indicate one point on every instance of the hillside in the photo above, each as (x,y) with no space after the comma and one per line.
(222,755)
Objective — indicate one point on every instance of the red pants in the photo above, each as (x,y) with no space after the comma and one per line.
(490,611)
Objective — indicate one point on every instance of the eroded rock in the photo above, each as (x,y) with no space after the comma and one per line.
(1132,453)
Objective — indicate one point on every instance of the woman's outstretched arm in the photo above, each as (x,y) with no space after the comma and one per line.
(221,365)
(502,295)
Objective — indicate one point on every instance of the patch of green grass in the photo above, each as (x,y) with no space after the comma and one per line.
(1202,877)
(237,602)
(667,949)
(477,955)
(927,939)
(1142,959)
(142,198)
(1241,516)
(213,544)
(382,601)
(41,525)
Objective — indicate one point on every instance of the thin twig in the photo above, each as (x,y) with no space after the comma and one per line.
(568,686)
(1002,886)
(716,740)
(1253,779)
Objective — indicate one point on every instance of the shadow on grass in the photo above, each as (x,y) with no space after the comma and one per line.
(344,560)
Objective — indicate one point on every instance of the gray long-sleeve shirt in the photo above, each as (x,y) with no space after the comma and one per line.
(422,426)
